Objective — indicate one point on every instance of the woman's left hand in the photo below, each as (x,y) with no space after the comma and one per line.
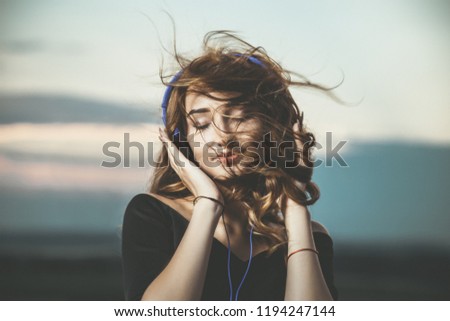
(290,202)
(291,210)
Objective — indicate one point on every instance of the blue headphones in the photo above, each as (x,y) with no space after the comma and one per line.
(176,134)
(166,98)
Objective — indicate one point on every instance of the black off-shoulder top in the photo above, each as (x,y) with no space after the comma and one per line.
(151,233)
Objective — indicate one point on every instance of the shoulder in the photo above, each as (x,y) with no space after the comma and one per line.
(143,207)
(144,216)
(319,228)
(140,207)
(160,198)
(179,205)
(151,202)
(322,239)
(141,200)
(148,199)
(146,224)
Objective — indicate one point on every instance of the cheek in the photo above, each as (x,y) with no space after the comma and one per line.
(253,124)
(204,156)
(249,130)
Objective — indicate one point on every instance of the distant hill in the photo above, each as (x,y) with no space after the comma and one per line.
(391,193)
(66,109)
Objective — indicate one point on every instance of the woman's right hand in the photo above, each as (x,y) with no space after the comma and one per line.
(193,177)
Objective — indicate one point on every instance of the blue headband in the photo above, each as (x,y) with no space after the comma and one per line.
(169,89)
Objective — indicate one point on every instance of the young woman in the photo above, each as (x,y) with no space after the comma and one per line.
(226,215)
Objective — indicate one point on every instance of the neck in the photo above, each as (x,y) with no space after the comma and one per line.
(235,214)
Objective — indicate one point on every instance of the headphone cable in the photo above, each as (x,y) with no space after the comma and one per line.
(229,259)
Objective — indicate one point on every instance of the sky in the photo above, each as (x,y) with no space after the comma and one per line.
(393,55)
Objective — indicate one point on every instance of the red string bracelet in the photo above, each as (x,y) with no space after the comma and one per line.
(305,249)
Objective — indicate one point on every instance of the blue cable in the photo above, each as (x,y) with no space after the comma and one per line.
(164,105)
(229,256)
(248,265)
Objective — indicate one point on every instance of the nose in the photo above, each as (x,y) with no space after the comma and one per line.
(221,135)
(224,124)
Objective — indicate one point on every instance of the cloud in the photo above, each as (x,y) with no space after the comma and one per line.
(33,108)
(72,143)
(69,156)
(23,46)
(57,176)
(34,46)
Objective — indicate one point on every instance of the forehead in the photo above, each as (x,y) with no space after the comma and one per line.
(196,100)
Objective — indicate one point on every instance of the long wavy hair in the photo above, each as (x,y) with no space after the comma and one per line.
(261,92)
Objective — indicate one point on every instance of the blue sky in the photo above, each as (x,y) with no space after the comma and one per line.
(394,54)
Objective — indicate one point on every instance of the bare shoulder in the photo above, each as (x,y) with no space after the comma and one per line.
(317,227)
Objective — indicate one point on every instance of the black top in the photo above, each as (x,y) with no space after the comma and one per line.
(152,231)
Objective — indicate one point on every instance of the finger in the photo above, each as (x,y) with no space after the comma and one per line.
(176,157)
(301,147)
(298,143)
(281,202)
(296,129)
(172,150)
(300,185)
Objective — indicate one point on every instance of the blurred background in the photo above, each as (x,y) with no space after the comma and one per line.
(75,75)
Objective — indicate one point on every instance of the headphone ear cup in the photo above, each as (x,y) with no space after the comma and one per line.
(166,97)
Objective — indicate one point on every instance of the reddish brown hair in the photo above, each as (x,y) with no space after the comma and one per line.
(263,93)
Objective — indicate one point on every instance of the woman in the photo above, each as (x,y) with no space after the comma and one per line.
(226,215)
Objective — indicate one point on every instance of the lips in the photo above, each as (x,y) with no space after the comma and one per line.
(228,161)
(225,154)
(228,158)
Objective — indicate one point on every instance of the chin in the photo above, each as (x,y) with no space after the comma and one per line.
(219,173)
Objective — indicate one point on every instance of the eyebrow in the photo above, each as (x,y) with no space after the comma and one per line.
(198,111)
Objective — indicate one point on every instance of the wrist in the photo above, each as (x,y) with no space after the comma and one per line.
(215,195)
(298,227)
(290,203)
(296,244)
(296,212)
(209,204)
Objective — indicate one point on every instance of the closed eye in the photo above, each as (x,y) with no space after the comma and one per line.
(237,119)
(242,119)
(200,127)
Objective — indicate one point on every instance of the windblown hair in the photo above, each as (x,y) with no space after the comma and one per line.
(261,92)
